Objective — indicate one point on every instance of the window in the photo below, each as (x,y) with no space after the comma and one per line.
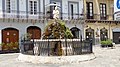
(72,10)
(8,6)
(11,6)
(33,7)
(89,10)
(102,11)
(52,8)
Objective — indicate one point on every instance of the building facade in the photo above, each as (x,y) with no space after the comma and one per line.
(87,19)
(18,17)
(100,23)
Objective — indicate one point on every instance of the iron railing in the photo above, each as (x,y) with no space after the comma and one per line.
(47,15)
(56,47)
(39,15)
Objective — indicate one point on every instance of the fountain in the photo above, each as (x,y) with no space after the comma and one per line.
(56,46)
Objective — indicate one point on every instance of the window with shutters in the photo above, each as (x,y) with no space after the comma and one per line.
(103,14)
(8,6)
(89,7)
(33,7)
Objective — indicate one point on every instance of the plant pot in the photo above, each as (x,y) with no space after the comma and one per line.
(110,45)
(103,45)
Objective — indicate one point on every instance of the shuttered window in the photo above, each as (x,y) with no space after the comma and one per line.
(103,11)
(89,7)
(33,7)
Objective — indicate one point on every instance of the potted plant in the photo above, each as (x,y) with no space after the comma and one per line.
(10,45)
(15,46)
(107,43)
(103,44)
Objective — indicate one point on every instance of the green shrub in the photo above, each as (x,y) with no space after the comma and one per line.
(103,42)
(106,43)
(109,42)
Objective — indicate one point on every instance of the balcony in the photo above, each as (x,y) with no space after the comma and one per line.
(39,15)
(100,17)
(9,14)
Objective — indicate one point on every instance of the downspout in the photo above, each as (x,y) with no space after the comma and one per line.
(84,18)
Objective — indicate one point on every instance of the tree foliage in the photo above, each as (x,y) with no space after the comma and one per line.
(56,29)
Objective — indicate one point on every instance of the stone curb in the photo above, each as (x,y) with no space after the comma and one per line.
(56,59)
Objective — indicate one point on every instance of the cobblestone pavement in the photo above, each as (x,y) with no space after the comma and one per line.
(105,57)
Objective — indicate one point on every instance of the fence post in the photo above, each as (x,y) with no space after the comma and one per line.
(66,45)
(81,43)
(91,47)
(73,46)
(22,48)
(48,48)
(24,45)
(33,46)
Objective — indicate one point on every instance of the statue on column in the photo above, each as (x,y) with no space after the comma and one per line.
(56,13)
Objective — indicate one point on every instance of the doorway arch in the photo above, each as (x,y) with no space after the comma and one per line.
(103,34)
(10,35)
(76,32)
(34,31)
(90,34)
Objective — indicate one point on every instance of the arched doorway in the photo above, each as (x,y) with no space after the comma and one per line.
(10,35)
(76,32)
(90,34)
(34,31)
(103,34)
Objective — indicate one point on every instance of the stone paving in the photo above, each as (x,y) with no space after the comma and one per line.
(105,57)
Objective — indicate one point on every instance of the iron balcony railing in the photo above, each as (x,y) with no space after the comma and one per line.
(38,15)
(48,15)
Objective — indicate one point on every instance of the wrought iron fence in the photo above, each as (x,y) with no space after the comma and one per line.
(56,47)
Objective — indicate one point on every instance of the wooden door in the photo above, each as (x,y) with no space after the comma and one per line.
(10,35)
(34,31)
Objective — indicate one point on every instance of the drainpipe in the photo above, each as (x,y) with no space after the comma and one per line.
(109,29)
(84,18)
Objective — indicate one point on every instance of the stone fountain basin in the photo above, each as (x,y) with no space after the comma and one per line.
(56,59)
